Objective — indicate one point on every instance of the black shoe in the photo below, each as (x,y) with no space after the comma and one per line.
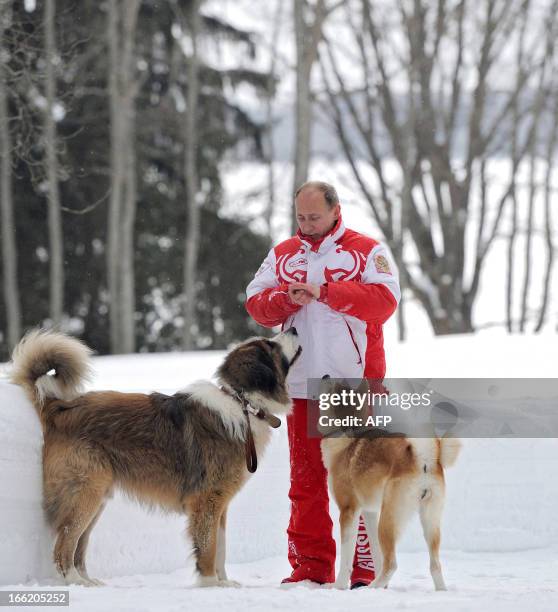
(357,585)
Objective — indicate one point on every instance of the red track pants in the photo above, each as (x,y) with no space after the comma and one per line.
(311,543)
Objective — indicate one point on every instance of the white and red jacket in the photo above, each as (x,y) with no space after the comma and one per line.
(341,333)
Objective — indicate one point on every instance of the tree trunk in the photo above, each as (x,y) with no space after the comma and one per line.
(123,86)
(514,153)
(9,250)
(303,104)
(127,268)
(510,262)
(56,243)
(129,203)
(307,38)
(548,225)
(191,182)
(447,325)
(117,155)
(528,243)
(270,94)
(548,220)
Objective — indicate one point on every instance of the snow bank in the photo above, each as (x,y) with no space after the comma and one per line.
(501,494)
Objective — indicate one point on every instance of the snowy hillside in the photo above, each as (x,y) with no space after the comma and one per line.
(500,536)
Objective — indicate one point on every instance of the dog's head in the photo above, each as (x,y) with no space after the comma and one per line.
(260,366)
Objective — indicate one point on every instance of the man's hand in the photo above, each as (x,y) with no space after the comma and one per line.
(303,293)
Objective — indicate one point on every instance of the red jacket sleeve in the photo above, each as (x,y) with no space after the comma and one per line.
(373,303)
(271,306)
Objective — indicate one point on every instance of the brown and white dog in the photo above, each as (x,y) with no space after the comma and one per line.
(387,479)
(185,452)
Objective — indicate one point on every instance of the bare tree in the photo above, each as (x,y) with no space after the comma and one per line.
(528,237)
(116,178)
(428,108)
(544,85)
(123,90)
(520,68)
(550,158)
(191,179)
(548,222)
(130,88)
(269,120)
(56,246)
(308,33)
(9,251)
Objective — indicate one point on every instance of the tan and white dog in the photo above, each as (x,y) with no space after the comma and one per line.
(186,453)
(387,479)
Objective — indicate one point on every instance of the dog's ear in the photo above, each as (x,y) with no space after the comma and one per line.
(252,367)
(263,378)
(282,365)
(261,374)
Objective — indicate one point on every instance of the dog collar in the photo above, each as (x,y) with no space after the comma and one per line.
(247,407)
(260,413)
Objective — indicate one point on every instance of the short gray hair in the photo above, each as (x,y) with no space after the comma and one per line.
(330,195)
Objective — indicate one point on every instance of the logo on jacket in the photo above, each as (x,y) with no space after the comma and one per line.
(342,274)
(292,267)
(382,265)
(297,263)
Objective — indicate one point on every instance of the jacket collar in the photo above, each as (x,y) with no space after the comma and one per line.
(323,244)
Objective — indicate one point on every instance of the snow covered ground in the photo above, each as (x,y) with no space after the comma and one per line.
(476,581)
(500,536)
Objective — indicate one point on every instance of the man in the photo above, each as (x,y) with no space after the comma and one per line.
(336,287)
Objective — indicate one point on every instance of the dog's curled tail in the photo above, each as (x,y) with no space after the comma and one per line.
(449,451)
(50,365)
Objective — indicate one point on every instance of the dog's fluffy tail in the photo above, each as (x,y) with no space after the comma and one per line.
(50,365)
(449,451)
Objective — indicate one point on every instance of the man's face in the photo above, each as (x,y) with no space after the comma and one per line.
(314,217)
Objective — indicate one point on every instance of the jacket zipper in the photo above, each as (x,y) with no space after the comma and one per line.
(354,343)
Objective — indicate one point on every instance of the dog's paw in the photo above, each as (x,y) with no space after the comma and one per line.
(72,577)
(90,581)
(206,581)
(229,583)
(438,579)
